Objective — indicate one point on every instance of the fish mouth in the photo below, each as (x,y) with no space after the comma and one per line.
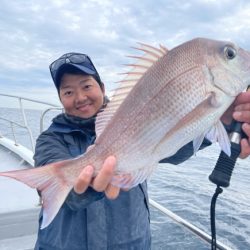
(241,85)
(233,95)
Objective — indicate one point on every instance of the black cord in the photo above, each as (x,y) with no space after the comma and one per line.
(222,172)
(221,176)
(218,191)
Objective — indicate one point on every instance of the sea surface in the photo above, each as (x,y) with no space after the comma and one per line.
(184,189)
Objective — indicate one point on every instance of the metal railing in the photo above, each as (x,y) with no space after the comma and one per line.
(43,115)
(187,225)
(12,123)
(25,123)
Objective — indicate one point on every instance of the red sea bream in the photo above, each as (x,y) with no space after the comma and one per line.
(169,98)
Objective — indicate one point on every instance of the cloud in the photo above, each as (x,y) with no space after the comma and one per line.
(35,32)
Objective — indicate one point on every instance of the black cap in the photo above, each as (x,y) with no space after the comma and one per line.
(80,62)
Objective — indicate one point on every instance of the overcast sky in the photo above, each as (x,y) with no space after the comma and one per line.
(33,33)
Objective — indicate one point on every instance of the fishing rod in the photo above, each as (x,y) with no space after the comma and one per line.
(223,170)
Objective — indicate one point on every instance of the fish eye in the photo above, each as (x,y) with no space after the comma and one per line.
(230,52)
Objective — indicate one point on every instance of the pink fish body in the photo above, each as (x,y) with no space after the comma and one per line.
(168,99)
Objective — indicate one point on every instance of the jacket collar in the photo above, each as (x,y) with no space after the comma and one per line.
(66,123)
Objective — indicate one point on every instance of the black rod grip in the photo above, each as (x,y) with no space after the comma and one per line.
(222,172)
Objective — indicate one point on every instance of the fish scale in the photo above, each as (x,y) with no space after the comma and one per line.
(169,98)
(154,118)
(133,105)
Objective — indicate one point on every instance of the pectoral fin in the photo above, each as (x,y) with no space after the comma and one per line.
(219,134)
(197,143)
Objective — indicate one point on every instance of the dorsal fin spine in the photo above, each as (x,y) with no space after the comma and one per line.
(127,80)
(145,62)
(143,58)
(148,51)
(163,49)
(132,73)
(136,66)
(159,50)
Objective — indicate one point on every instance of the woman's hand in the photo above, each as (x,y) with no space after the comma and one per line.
(240,111)
(101,182)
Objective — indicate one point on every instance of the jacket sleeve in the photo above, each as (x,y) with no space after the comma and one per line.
(184,153)
(50,148)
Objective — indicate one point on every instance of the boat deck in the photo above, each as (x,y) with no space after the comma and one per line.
(19,208)
(18,229)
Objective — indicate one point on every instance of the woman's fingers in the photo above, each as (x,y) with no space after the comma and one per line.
(84,179)
(112,192)
(103,178)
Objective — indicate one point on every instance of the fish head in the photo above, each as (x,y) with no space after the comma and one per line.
(228,66)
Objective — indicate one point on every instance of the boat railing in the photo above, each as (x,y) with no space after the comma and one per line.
(43,115)
(12,125)
(25,125)
(187,225)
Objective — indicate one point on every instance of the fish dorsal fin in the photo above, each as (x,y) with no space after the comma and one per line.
(144,62)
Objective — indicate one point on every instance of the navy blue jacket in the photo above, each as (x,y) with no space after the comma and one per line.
(90,221)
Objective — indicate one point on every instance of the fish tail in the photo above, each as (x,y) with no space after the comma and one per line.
(52,184)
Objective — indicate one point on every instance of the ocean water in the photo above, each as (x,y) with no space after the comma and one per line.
(184,189)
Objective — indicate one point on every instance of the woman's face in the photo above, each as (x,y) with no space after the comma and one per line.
(81,95)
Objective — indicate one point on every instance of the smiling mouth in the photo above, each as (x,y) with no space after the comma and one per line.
(82,107)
